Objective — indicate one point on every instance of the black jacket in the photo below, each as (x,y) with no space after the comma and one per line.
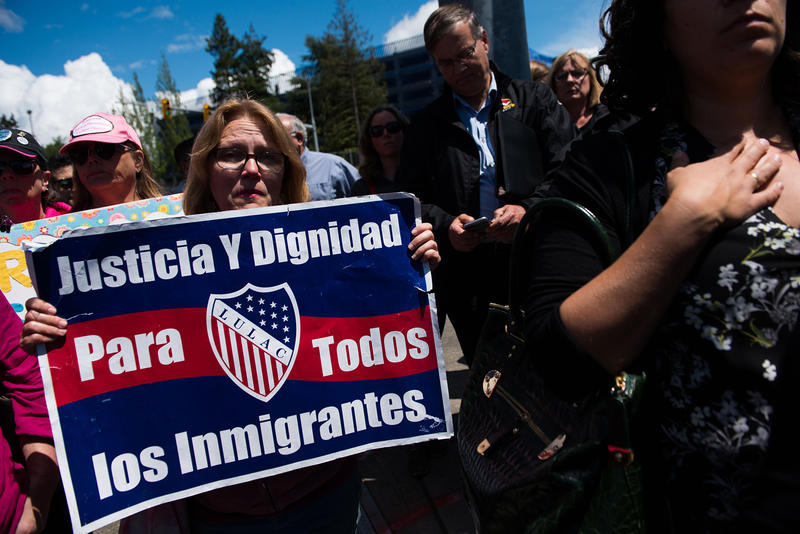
(441,162)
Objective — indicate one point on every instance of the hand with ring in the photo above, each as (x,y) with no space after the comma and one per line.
(727,188)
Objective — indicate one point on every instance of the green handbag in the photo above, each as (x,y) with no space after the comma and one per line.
(535,462)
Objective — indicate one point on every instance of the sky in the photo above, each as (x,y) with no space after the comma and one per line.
(65,60)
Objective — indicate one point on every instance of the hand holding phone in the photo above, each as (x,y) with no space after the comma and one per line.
(478,225)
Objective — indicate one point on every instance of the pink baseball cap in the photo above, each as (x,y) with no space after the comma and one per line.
(101,128)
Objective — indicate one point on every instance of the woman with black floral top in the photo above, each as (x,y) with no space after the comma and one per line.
(703,193)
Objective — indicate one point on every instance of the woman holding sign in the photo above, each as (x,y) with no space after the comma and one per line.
(243,158)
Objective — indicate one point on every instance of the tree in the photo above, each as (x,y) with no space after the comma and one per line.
(51,149)
(346,79)
(8,122)
(241,66)
(141,119)
(223,47)
(174,129)
(252,68)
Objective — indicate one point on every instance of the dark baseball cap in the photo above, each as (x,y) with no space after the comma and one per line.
(21,142)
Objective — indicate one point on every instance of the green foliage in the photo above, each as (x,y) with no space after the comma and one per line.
(173,129)
(223,47)
(254,63)
(241,66)
(346,80)
(51,149)
(158,138)
(141,119)
(8,122)
(296,103)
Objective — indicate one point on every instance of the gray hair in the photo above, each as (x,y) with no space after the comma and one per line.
(295,124)
(444,18)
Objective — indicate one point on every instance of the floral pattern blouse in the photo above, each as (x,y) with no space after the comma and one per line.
(718,356)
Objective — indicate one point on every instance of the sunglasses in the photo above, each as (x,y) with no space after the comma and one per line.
(64,183)
(19,167)
(391,127)
(577,75)
(80,154)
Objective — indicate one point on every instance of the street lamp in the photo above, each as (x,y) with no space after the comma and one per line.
(311,107)
(30,120)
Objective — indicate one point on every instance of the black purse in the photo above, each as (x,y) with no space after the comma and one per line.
(533,461)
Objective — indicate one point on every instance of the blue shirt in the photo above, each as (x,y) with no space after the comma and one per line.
(328,176)
(477,123)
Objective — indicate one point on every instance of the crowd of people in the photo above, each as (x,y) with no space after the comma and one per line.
(686,152)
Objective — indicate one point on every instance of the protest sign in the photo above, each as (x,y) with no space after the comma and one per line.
(15,281)
(215,349)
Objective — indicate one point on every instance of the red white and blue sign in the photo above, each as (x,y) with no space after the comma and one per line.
(210,350)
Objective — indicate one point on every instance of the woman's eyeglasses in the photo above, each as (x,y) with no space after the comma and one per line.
(79,155)
(234,159)
(577,75)
(18,167)
(391,127)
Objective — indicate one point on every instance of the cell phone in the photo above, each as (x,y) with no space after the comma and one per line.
(478,225)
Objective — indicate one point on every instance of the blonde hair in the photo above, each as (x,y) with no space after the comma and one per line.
(197,196)
(146,185)
(539,70)
(595,89)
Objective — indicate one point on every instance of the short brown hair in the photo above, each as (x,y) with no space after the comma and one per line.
(444,18)
(197,196)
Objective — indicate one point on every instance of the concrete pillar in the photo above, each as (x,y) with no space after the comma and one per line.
(504,21)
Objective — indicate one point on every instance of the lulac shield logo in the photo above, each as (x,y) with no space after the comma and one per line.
(254,334)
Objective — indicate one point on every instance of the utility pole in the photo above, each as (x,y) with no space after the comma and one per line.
(30,120)
(311,108)
(504,20)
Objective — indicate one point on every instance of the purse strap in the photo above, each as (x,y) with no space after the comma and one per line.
(520,264)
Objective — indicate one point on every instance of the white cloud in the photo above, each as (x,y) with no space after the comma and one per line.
(161,12)
(158,12)
(58,102)
(137,64)
(194,99)
(282,72)
(583,34)
(10,21)
(186,43)
(131,13)
(411,26)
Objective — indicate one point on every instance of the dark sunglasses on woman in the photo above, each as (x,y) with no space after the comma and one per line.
(577,75)
(80,154)
(19,167)
(391,127)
